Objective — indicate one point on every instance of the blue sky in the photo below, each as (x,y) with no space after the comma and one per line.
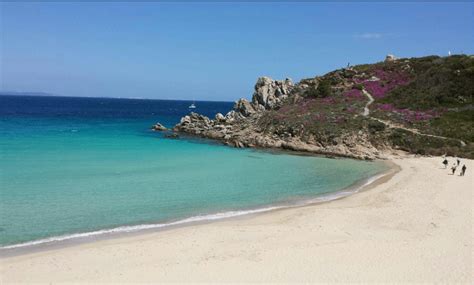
(211,51)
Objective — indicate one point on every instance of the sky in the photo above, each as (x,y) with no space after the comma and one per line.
(211,51)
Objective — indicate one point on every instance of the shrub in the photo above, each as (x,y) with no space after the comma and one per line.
(311,92)
(437,82)
(376,126)
(324,89)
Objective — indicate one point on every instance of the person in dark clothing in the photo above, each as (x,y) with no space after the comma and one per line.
(445,162)
(463,170)
(453,169)
(458,161)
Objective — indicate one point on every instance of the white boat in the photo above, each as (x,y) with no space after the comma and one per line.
(192,106)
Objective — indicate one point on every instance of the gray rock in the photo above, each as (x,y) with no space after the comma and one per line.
(244,107)
(231,115)
(269,93)
(158,127)
(239,144)
(219,117)
(185,120)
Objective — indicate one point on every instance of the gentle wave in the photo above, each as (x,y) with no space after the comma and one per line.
(127,229)
(200,218)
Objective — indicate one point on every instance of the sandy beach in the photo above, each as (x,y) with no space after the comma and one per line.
(415,227)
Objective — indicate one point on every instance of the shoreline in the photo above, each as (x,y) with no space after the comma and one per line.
(414,227)
(67,240)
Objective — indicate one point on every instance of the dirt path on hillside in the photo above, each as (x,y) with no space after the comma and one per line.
(391,125)
(366,112)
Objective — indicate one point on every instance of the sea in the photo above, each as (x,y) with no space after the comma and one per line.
(72,168)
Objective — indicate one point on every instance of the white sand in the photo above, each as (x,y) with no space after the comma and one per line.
(417,227)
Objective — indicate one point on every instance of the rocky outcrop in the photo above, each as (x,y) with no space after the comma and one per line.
(269,93)
(240,127)
(158,127)
(197,124)
(333,115)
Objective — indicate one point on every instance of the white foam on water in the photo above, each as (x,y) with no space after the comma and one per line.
(127,229)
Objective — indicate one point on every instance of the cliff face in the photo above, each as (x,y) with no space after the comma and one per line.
(355,112)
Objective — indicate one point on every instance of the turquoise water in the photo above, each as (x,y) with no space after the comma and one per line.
(66,174)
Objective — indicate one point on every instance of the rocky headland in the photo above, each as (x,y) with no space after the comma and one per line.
(364,111)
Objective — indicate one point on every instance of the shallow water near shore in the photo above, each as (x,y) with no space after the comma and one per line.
(75,166)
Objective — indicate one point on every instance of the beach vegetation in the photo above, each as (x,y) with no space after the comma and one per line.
(432,94)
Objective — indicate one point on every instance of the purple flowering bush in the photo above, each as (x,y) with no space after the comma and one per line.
(353,94)
(326,114)
(388,110)
(388,80)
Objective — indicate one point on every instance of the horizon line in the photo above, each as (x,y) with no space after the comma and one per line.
(44,94)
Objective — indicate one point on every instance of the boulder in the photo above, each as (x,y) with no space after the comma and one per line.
(219,117)
(269,93)
(200,119)
(158,127)
(244,107)
(185,120)
(232,115)
(238,144)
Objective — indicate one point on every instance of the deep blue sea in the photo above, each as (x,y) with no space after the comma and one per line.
(74,167)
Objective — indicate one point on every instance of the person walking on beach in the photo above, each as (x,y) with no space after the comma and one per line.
(453,169)
(445,162)
(463,170)
(458,161)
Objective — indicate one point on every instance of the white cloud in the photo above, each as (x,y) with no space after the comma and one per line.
(368,36)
